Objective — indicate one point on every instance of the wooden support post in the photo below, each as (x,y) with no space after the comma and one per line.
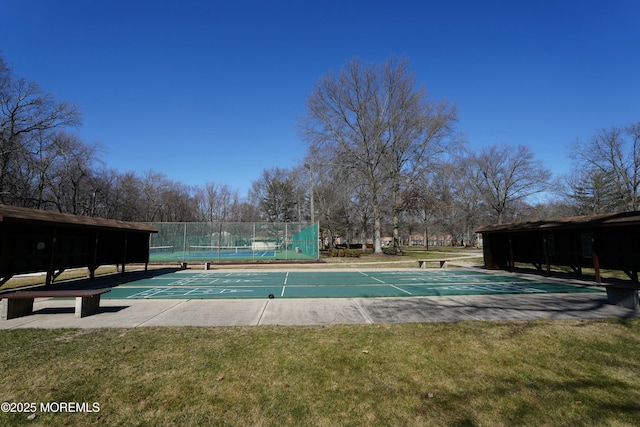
(545,244)
(511,262)
(596,267)
(93,266)
(124,252)
(52,256)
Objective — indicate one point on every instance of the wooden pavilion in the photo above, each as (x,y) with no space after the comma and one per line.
(610,241)
(33,241)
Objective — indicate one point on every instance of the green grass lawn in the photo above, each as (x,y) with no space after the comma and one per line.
(469,373)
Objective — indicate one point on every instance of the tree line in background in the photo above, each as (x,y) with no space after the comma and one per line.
(383,159)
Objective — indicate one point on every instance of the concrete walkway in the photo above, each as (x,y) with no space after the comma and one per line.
(57,313)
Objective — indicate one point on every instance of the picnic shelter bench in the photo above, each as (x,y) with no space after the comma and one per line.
(20,303)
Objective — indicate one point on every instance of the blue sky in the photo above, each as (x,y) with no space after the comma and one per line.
(211,91)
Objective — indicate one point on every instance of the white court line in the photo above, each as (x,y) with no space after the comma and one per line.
(157,291)
(286,278)
(374,278)
(401,290)
(191,291)
(282,293)
(184,282)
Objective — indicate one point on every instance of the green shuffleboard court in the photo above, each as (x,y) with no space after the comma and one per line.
(336,284)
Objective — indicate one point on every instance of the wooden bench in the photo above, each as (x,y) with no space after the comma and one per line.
(20,303)
(422,263)
(623,295)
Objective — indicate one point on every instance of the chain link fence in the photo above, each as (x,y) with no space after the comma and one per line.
(233,241)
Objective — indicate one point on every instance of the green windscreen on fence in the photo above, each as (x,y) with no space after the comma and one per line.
(231,241)
(306,241)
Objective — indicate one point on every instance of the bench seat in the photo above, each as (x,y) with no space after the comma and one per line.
(20,303)
(422,263)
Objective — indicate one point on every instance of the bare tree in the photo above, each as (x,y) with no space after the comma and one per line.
(216,201)
(153,189)
(26,114)
(274,193)
(178,203)
(333,192)
(244,211)
(607,170)
(105,202)
(450,212)
(343,208)
(468,197)
(44,160)
(127,196)
(70,175)
(419,131)
(344,114)
(420,201)
(377,127)
(507,175)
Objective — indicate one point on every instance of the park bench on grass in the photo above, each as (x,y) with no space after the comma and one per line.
(20,303)
(422,263)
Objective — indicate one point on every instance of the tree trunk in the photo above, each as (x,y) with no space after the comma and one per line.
(426,236)
(377,241)
(396,230)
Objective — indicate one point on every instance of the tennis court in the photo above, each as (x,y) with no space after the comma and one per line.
(200,253)
(336,284)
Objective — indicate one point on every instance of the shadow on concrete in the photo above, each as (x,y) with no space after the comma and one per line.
(71,310)
(108,280)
